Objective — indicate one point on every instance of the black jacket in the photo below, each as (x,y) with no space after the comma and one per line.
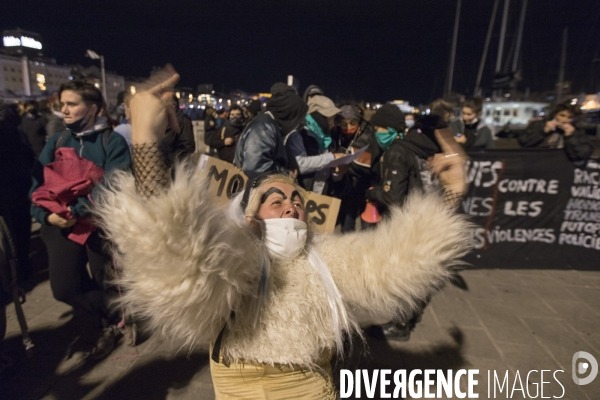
(478,134)
(33,126)
(577,146)
(217,140)
(16,158)
(260,148)
(403,164)
(209,129)
(181,143)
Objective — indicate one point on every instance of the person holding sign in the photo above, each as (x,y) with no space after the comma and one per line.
(558,132)
(274,298)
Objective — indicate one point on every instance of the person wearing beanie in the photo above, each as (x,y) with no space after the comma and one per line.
(404,170)
(404,159)
(312,146)
(388,126)
(260,147)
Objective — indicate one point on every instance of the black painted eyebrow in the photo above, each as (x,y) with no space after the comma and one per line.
(295,193)
(270,191)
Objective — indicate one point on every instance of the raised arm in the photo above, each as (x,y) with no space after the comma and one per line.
(186,264)
(383,272)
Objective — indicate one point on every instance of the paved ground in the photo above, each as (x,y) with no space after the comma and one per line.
(505,321)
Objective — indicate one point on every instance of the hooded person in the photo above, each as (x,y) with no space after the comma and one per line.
(280,87)
(312,146)
(274,299)
(349,125)
(260,147)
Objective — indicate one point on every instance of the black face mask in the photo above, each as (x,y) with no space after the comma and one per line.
(236,121)
(78,125)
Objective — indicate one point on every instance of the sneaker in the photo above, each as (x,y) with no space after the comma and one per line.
(396,331)
(107,342)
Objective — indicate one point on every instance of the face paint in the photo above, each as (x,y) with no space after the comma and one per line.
(270,191)
(294,194)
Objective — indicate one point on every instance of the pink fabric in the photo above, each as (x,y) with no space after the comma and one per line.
(65,180)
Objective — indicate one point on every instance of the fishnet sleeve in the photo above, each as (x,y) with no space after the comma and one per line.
(150,168)
(452,199)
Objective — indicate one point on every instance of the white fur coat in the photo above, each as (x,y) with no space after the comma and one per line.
(188,264)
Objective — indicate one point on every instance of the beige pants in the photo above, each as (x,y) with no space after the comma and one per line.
(264,382)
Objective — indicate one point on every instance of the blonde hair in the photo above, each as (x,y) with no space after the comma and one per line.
(254,201)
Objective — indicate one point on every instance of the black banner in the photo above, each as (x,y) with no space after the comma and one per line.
(534,209)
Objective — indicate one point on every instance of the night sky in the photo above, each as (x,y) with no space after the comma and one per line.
(372,50)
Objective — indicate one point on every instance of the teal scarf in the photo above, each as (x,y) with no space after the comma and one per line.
(323,139)
(385,139)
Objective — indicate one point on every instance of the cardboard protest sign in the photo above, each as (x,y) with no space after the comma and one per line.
(225,180)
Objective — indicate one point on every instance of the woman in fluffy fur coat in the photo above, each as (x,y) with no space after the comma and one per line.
(276,296)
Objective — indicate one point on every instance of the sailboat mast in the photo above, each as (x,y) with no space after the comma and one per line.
(563,61)
(453,52)
(486,47)
(515,64)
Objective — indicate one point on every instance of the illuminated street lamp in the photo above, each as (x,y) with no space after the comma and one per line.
(94,56)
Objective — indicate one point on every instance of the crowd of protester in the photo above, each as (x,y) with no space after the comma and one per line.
(59,151)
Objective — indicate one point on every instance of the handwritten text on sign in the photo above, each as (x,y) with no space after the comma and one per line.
(535,209)
(226,180)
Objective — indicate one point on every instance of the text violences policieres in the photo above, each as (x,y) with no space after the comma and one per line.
(433,384)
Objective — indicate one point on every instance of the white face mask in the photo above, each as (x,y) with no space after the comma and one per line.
(285,238)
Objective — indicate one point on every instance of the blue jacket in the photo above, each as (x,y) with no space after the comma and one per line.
(88,145)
